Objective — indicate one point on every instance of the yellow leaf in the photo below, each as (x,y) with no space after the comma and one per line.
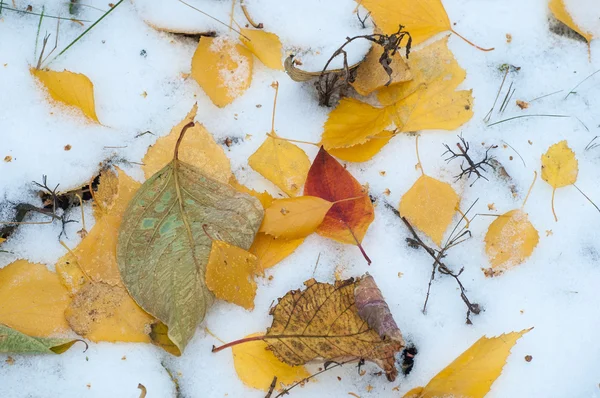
(429,205)
(423,18)
(222,68)
(473,372)
(230,274)
(2,240)
(510,240)
(371,76)
(271,250)
(295,218)
(256,366)
(74,89)
(353,122)
(365,151)
(264,197)
(32,299)
(282,163)
(559,165)
(265,45)
(557,7)
(199,149)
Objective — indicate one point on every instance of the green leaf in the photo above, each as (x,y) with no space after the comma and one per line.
(14,342)
(163,245)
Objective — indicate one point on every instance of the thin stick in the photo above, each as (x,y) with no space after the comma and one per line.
(474,45)
(530,188)
(37,36)
(544,96)
(581,192)
(47,16)
(85,274)
(249,18)
(505,101)
(272,387)
(418,157)
(231,14)
(82,214)
(286,391)
(521,157)
(211,17)
(522,116)
(489,114)
(580,83)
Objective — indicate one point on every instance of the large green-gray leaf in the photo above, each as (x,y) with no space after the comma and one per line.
(163,247)
(15,342)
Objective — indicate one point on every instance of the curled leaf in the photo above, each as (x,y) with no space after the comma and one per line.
(15,342)
(371,76)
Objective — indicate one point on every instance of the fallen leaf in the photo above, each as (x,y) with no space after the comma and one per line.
(295,218)
(346,221)
(73,89)
(265,45)
(264,197)
(159,334)
(559,168)
(32,299)
(230,274)
(473,372)
(200,150)
(15,342)
(510,240)
(222,68)
(559,10)
(271,250)
(429,205)
(365,151)
(162,247)
(255,366)
(370,75)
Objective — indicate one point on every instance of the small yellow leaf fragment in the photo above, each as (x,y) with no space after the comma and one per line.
(559,10)
(256,366)
(365,151)
(222,68)
(371,76)
(295,218)
(429,205)
(74,89)
(510,240)
(230,274)
(282,163)
(473,372)
(559,165)
(199,149)
(271,250)
(265,45)
(264,197)
(32,299)
(8,158)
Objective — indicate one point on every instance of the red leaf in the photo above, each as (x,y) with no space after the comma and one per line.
(347,221)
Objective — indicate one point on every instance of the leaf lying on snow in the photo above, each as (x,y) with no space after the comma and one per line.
(74,89)
(559,168)
(295,218)
(15,342)
(473,372)
(371,76)
(265,45)
(559,10)
(365,151)
(163,250)
(327,325)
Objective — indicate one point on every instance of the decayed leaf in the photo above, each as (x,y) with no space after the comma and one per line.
(230,274)
(371,76)
(365,151)
(32,299)
(222,68)
(473,372)
(510,240)
(271,250)
(163,249)
(15,342)
(429,206)
(295,218)
(559,167)
(265,45)
(199,150)
(423,19)
(256,365)
(74,89)
(346,221)
(559,10)
(322,322)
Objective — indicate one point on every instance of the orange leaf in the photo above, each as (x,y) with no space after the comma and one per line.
(347,221)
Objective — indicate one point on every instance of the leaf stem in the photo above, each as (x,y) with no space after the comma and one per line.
(276,86)
(552,203)
(418,157)
(530,188)
(471,43)
(272,135)
(358,244)
(236,342)
(187,126)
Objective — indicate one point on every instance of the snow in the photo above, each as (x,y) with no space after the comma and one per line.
(555,291)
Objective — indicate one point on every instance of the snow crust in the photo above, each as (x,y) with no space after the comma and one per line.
(555,291)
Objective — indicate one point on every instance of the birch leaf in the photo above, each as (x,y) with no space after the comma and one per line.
(73,89)
(559,168)
(295,218)
(559,10)
(265,45)
(15,342)
(365,151)
(163,249)
(271,250)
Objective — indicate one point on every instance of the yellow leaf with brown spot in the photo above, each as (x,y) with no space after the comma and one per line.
(230,274)
(73,89)
(559,10)
(559,168)
(473,372)
(32,299)
(295,218)
(265,45)
(371,76)
(429,206)
(199,149)
(271,250)
(222,68)
(282,163)
(256,366)
(365,151)
(510,240)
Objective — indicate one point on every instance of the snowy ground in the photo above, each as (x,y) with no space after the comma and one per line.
(555,291)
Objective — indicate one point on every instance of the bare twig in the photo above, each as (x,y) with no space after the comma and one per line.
(476,168)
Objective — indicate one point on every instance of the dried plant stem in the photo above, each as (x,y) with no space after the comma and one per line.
(290,140)
(524,116)
(358,244)
(236,342)
(208,15)
(581,82)
(249,18)
(471,43)
(585,196)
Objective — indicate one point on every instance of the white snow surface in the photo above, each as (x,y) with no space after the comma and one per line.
(555,290)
